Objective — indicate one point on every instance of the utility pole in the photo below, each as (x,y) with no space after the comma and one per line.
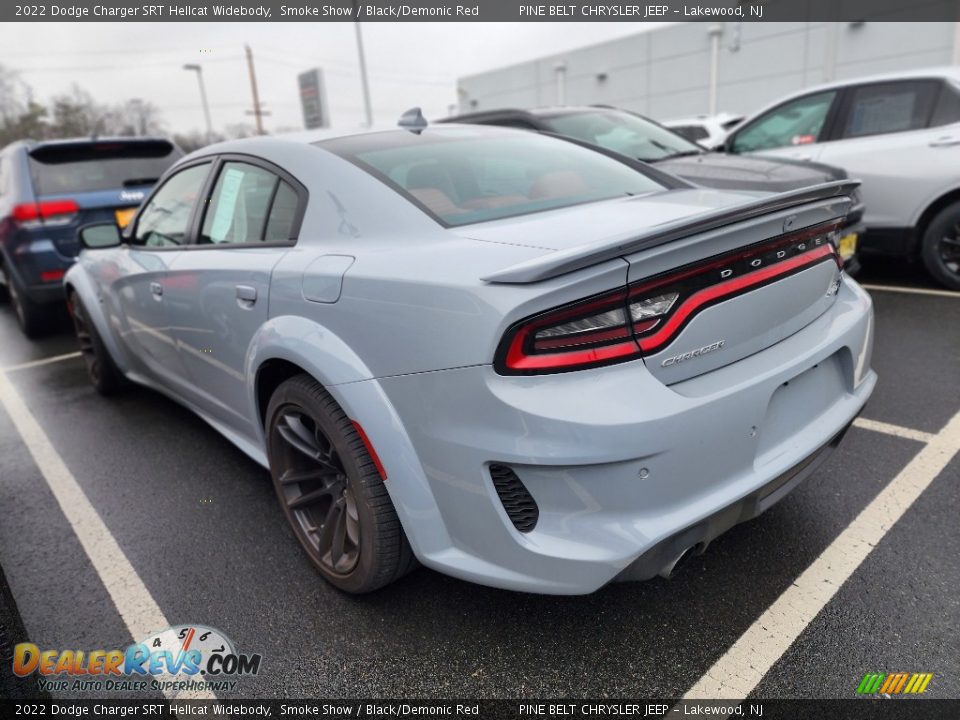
(257,111)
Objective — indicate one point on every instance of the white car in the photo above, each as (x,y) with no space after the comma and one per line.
(897,133)
(707,130)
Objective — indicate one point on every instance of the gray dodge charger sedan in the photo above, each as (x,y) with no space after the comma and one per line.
(499,354)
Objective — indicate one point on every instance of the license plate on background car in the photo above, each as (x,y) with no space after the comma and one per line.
(847,246)
(125,215)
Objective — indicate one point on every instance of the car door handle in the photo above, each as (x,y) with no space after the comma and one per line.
(945,141)
(246,294)
(156,289)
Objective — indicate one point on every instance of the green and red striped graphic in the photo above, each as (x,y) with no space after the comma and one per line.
(894,683)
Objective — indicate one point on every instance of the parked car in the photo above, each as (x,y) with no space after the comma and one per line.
(515,359)
(710,131)
(900,135)
(47,191)
(639,138)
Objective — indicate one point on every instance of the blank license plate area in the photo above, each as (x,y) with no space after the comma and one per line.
(796,404)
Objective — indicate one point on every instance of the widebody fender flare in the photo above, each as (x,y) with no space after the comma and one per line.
(79,280)
(327,358)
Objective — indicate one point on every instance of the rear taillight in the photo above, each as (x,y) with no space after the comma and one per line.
(52,275)
(46,212)
(646,316)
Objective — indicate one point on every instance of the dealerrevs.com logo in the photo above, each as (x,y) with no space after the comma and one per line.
(182,657)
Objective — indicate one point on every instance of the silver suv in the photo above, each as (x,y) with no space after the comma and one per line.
(900,135)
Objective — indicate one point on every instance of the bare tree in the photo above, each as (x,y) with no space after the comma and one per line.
(20,117)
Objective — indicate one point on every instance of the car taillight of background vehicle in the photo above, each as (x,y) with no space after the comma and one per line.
(46,212)
(646,316)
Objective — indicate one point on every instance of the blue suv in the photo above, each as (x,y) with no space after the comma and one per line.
(48,190)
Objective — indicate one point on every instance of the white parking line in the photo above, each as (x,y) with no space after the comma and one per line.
(743,666)
(136,606)
(912,290)
(898,430)
(42,361)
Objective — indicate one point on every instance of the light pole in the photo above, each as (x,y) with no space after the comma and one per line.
(203,97)
(367,109)
(714,31)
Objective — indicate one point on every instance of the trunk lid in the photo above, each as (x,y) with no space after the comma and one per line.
(742,172)
(757,286)
(704,289)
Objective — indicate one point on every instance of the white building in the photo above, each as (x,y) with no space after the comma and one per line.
(699,68)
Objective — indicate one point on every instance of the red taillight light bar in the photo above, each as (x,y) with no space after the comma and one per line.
(645,317)
(46,211)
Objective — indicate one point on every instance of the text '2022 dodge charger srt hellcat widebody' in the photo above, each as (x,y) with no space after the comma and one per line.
(503,355)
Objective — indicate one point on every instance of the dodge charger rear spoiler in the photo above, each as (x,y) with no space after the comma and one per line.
(564,261)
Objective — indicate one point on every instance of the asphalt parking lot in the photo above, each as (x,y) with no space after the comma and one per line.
(199,526)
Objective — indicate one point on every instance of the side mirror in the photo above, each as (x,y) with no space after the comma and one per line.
(99,236)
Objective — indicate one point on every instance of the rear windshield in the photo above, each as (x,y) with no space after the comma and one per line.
(63,168)
(622,132)
(461,176)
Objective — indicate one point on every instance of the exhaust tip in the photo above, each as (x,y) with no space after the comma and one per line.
(671,568)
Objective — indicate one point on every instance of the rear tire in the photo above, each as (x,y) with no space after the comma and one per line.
(331,492)
(940,247)
(101,369)
(34,319)
(4,280)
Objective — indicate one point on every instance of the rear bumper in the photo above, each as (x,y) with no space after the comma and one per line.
(663,557)
(26,264)
(620,465)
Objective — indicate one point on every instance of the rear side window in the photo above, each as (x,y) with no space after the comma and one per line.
(462,176)
(889,107)
(249,205)
(283,215)
(64,168)
(798,122)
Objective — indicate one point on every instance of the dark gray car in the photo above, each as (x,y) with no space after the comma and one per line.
(626,133)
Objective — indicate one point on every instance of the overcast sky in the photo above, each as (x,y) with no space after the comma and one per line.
(408,63)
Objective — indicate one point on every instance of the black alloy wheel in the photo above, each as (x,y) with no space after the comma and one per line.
(102,371)
(317,492)
(940,247)
(331,491)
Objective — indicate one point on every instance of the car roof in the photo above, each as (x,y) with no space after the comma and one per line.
(317,138)
(934,73)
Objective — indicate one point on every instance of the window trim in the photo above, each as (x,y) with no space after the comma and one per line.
(130,234)
(298,188)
